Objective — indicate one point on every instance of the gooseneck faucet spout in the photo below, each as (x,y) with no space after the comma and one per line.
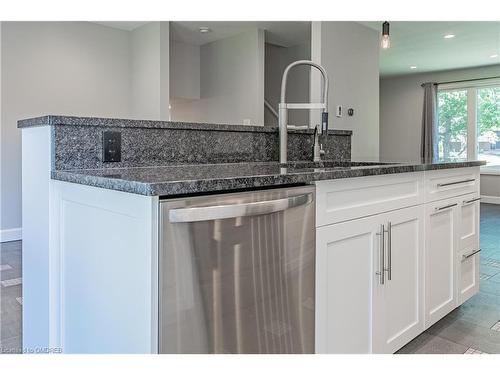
(284,107)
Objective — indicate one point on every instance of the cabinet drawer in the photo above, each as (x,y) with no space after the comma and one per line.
(468,277)
(441,220)
(351,198)
(442,184)
(469,222)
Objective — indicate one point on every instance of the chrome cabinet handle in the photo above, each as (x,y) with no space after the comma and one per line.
(445,207)
(200,213)
(389,251)
(466,256)
(456,182)
(464,203)
(381,272)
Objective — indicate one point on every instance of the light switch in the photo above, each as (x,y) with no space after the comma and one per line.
(339,111)
(111,146)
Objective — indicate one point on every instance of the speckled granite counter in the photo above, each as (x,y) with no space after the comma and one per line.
(192,179)
(164,158)
(104,122)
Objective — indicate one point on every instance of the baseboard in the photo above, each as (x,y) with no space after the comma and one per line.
(7,235)
(490,199)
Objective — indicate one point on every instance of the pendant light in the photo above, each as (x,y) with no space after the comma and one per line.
(386,42)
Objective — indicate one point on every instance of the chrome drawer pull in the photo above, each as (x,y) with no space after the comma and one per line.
(465,256)
(471,201)
(456,182)
(445,207)
(389,251)
(381,271)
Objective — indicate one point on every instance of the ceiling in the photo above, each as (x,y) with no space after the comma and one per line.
(283,33)
(122,25)
(422,44)
(419,44)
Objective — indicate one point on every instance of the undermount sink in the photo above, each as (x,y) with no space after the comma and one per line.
(326,166)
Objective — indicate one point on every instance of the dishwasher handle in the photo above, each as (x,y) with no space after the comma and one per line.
(193,214)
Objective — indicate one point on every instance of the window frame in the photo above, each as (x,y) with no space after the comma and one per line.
(471,87)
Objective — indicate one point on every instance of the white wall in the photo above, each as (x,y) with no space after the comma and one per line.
(490,185)
(401,101)
(349,52)
(277,59)
(150,66)
(184,71)
(73,68)
(231,82)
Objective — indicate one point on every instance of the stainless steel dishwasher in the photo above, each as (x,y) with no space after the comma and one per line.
(237,272)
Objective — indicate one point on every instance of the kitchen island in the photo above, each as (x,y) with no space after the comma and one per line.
(396,241)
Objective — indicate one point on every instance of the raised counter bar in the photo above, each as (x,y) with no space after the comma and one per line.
(77,142)
(54,120)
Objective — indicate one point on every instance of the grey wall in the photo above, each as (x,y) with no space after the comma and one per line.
(349,52)
(276,60)
(490,185)
(231,82)
(184,71)
(401,109)
(150,67)
(74,68)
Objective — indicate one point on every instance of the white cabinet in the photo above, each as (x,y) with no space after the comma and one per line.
(345,263)
(451,254)
(468,247)
(360,309)
(440,258)
(353,198)
(397,303)
(422,229)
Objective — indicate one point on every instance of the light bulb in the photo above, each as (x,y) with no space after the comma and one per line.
(386,42)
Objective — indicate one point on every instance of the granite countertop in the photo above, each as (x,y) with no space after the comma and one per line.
(191,179)
(55,120)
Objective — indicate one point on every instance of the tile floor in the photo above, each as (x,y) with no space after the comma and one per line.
(474,327)
(10,297)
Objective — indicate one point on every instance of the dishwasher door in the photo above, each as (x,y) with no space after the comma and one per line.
(236,273)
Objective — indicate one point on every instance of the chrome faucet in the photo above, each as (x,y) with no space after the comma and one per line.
(284,107)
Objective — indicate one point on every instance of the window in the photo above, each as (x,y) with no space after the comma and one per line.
(488,125)
(469,121)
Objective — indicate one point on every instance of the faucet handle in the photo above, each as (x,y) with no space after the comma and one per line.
(318,130)
(324,123)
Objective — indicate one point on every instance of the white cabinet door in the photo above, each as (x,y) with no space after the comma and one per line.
(468,249)
(441,219)
(344,280)
(397,309)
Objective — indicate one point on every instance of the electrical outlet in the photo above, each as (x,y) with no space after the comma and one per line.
(339,111)
(111,146)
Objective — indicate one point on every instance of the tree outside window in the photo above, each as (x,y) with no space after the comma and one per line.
(452,129)
(488,124)
(453,124)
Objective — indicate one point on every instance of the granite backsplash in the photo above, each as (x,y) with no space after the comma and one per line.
(77,143)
